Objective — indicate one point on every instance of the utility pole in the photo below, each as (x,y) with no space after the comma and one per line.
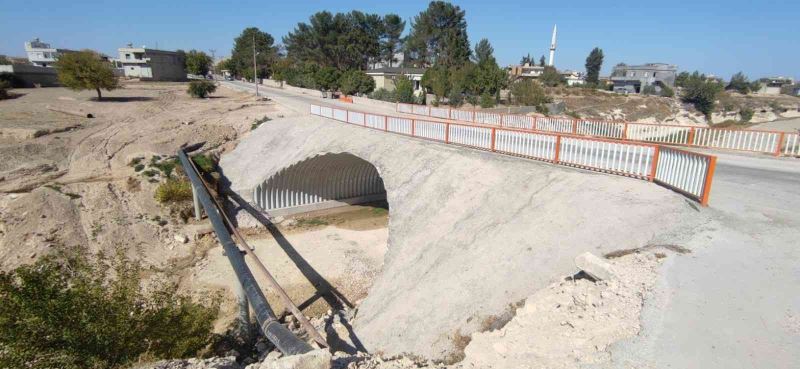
(213,61)
(255,69)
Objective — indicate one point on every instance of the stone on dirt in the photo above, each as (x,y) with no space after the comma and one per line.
(181,238)
(317,359)
(594,266)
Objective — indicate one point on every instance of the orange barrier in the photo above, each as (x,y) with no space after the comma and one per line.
(686,172)
(762,141)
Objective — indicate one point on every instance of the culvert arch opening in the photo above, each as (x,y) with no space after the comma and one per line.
(320,182)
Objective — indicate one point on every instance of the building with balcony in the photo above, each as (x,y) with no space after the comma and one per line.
(525,71)
(151,64)
(42,54)
(631,79)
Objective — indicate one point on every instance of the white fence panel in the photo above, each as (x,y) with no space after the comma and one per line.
(315,109)
(683,170)
(443,113)
(483,117)
(600,129)
(432,130)
(661,134)
(471,136)
(420,109)
(612,156)
(355,117)
(534,145)
(405,108)
(461,115)
(791,144)
(376,121)
(340,114)
(399,125)
(737,139)
(554,125)
(326,112)
(518,121)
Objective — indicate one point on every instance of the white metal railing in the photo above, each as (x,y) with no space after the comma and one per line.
(443,113)
(480,137)
(791,144)
(399,125)
(518,121)
(375,121)
(420,110)
(600,128)
(687,172)
(530,144)
(405,108)
(554,125)
(760,141)
(462,115)
(483,117)
(661,134)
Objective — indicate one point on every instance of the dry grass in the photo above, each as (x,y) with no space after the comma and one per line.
(460,342)
(173,190)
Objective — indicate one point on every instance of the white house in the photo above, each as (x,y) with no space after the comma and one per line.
(151,64)
(41,54)
(386,77)
(573,78)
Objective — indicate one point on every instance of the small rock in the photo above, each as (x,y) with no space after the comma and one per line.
(181,238)
(262,347)
(594,266)
(277,220)
(289,222)
(317,359)
(274,355)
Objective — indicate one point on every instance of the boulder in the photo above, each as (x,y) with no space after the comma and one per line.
(317,359)
(594,266)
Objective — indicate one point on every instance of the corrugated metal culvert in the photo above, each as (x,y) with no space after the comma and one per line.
(322,178)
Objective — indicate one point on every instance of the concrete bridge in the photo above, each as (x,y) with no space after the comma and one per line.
(471,231)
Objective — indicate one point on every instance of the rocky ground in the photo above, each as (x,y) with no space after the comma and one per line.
(568,324)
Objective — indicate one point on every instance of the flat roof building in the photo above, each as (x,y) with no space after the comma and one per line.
(386,77)
(151,64)
(41,54)
(633,78)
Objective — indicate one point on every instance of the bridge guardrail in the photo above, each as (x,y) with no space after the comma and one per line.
(761,141)
(687,172)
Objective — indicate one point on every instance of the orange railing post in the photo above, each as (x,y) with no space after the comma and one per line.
(712,165)
(493,138)
(652,176)
(385,122)
(413,126)
(690,139)
(447,133)
(625,131)
(779,144)
(557,157)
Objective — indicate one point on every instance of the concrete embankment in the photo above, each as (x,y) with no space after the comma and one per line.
(470,232)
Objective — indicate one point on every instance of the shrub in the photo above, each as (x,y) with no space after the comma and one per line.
(204,163)
(529,93)
(404,90)
(69,310)
(173,190)
(649,90)
(4,86)
(667,91)
(746,114)
(201,89)
(13,80)
(384,95)
(487,101)
(356,82)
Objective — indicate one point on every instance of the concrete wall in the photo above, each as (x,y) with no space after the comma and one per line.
(470,232)
(32,75)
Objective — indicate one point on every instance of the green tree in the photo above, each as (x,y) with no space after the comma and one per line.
(526,60)
(86,70)
(594,62)
(700,92)
(487,78)
(541,61)
(666,91)
(327,78)
(344,41)
(483,52)
(438,36)
(241,61)
(356,81)
(393,27)
(4,60)
(487,101)
(404,89)
(740,83)
(551,78)
(198,63)
(528,92)
(437,79)
(682,79)
(746,114)
(69,310)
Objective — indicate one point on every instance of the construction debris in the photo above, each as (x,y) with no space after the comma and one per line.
(595,267)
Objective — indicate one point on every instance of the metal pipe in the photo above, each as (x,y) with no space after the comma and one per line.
(275,332)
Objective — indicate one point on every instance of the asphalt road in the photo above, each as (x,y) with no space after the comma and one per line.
(734,301)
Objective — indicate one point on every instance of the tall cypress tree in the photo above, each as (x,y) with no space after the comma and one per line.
(593,64)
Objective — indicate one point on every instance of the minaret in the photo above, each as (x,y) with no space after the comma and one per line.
(553,47)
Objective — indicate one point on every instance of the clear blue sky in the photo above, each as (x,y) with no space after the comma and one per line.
(718,37)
